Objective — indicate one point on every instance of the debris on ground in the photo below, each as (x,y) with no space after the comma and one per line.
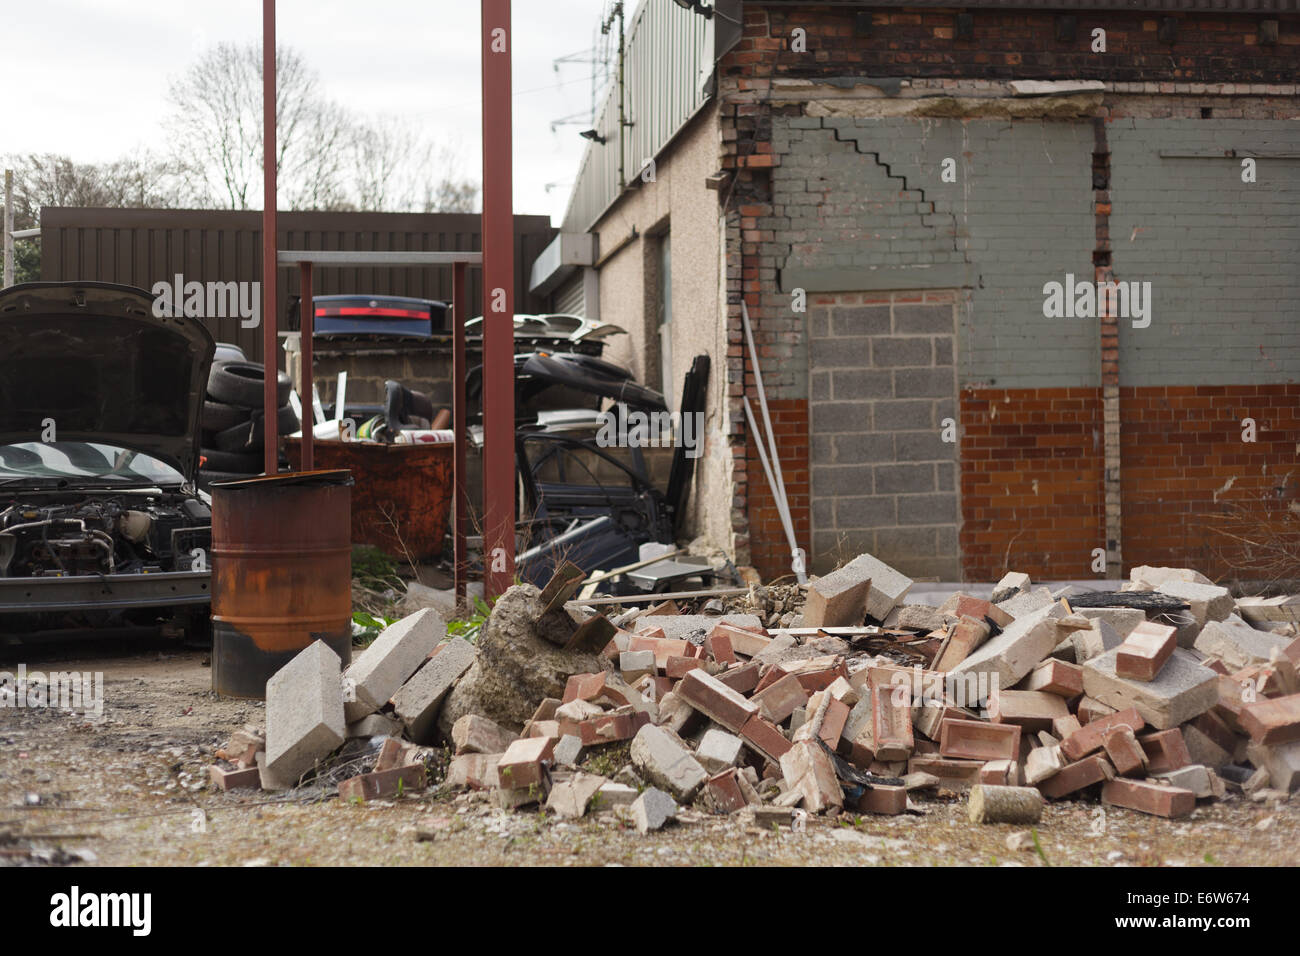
(834,697)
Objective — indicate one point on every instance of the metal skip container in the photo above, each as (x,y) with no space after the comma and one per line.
(281,574)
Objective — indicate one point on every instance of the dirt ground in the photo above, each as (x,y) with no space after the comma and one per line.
(130,787)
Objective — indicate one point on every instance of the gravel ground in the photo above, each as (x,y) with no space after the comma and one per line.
(130,787)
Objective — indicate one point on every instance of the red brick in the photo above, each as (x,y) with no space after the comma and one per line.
(678,667)
(1145,650)
(580,687)
(247,778)
(1030,709)
(385,783)
(956,774)
(882,798)
(742,678)
(716,700)
(976,740)
(1165,750)
(1153,798)
(1056,677)
(725,792)
(1124,751)
(718,644)
(779,699)
(964,605)
(967,634)
(1075,776)
(1089,737)
(521,764)
(1274,721)
(891,719)
(764,738)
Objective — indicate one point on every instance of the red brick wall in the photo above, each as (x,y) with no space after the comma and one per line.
(1181,447)
(1031,482)
(1016,44)
(768,548)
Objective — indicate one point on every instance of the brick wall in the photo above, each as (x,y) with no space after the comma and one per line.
(769,550)
(1031,482)
(1015,44)
(1195,492)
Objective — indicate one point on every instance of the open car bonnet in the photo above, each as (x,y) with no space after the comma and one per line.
(92,359)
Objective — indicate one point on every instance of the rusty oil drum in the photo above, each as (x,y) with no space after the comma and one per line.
(281,574)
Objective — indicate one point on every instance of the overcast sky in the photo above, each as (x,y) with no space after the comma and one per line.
(89,77)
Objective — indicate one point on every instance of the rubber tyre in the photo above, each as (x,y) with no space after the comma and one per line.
(217,416)
(248,435)
(240,383)
(239,463)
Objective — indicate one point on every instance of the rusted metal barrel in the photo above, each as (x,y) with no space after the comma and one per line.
(281,574)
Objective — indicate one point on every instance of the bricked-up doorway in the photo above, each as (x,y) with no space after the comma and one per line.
(882,381)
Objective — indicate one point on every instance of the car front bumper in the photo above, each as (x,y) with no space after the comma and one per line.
(108,592)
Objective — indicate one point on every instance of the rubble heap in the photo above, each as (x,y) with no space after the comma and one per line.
(1167,692)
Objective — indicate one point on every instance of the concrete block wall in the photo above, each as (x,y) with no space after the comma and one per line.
(1221,254)
(883,478)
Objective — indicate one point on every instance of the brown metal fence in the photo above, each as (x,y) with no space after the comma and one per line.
(140,247)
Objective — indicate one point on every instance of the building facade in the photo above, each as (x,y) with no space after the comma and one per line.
(1023,276)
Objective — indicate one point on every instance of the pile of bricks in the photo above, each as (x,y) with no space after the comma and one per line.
(1018,700)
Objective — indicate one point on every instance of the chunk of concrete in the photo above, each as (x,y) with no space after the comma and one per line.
(1012,583)
(375,725)
(1238,645)
(1282,761)
(838,599)
(417,702)
(1024,643)
(1152,578)
(694,627)
(1182,690)
(1208,602)
(719,750)
(473,734)
(1089,643)
(1121,619)
(569,799)
(1026,602)
(379,670)
(304,712)
(888,587)
(652,809)
(663,760)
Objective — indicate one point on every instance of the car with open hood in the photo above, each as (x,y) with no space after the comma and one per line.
(101,523)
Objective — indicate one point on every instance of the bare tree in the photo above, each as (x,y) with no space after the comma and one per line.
(325,157)
(216,128)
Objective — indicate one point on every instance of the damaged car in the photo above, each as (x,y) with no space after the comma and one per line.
(101,524)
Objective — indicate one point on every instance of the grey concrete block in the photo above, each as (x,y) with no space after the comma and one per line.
(304,712)
(1182,690)
(380,669)
(903,479)
(661,758)
(718,750)
(651,810)
(419,699)
(1021,646)
(1238,645)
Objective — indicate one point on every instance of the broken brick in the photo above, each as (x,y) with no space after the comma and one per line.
(1146,797)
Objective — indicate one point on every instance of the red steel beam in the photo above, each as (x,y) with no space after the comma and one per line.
(460,500)
(271,438)
(498,305)
(307,327)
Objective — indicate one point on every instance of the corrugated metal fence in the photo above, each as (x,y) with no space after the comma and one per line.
(140,247)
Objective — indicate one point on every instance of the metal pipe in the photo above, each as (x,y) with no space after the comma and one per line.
(270,407)
(307,326)
(460,490)
(499,480)
(778,487)
(781,509)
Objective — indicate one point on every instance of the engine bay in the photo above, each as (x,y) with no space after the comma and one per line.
(70,534)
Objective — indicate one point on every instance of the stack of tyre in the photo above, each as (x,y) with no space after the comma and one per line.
(233,419)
